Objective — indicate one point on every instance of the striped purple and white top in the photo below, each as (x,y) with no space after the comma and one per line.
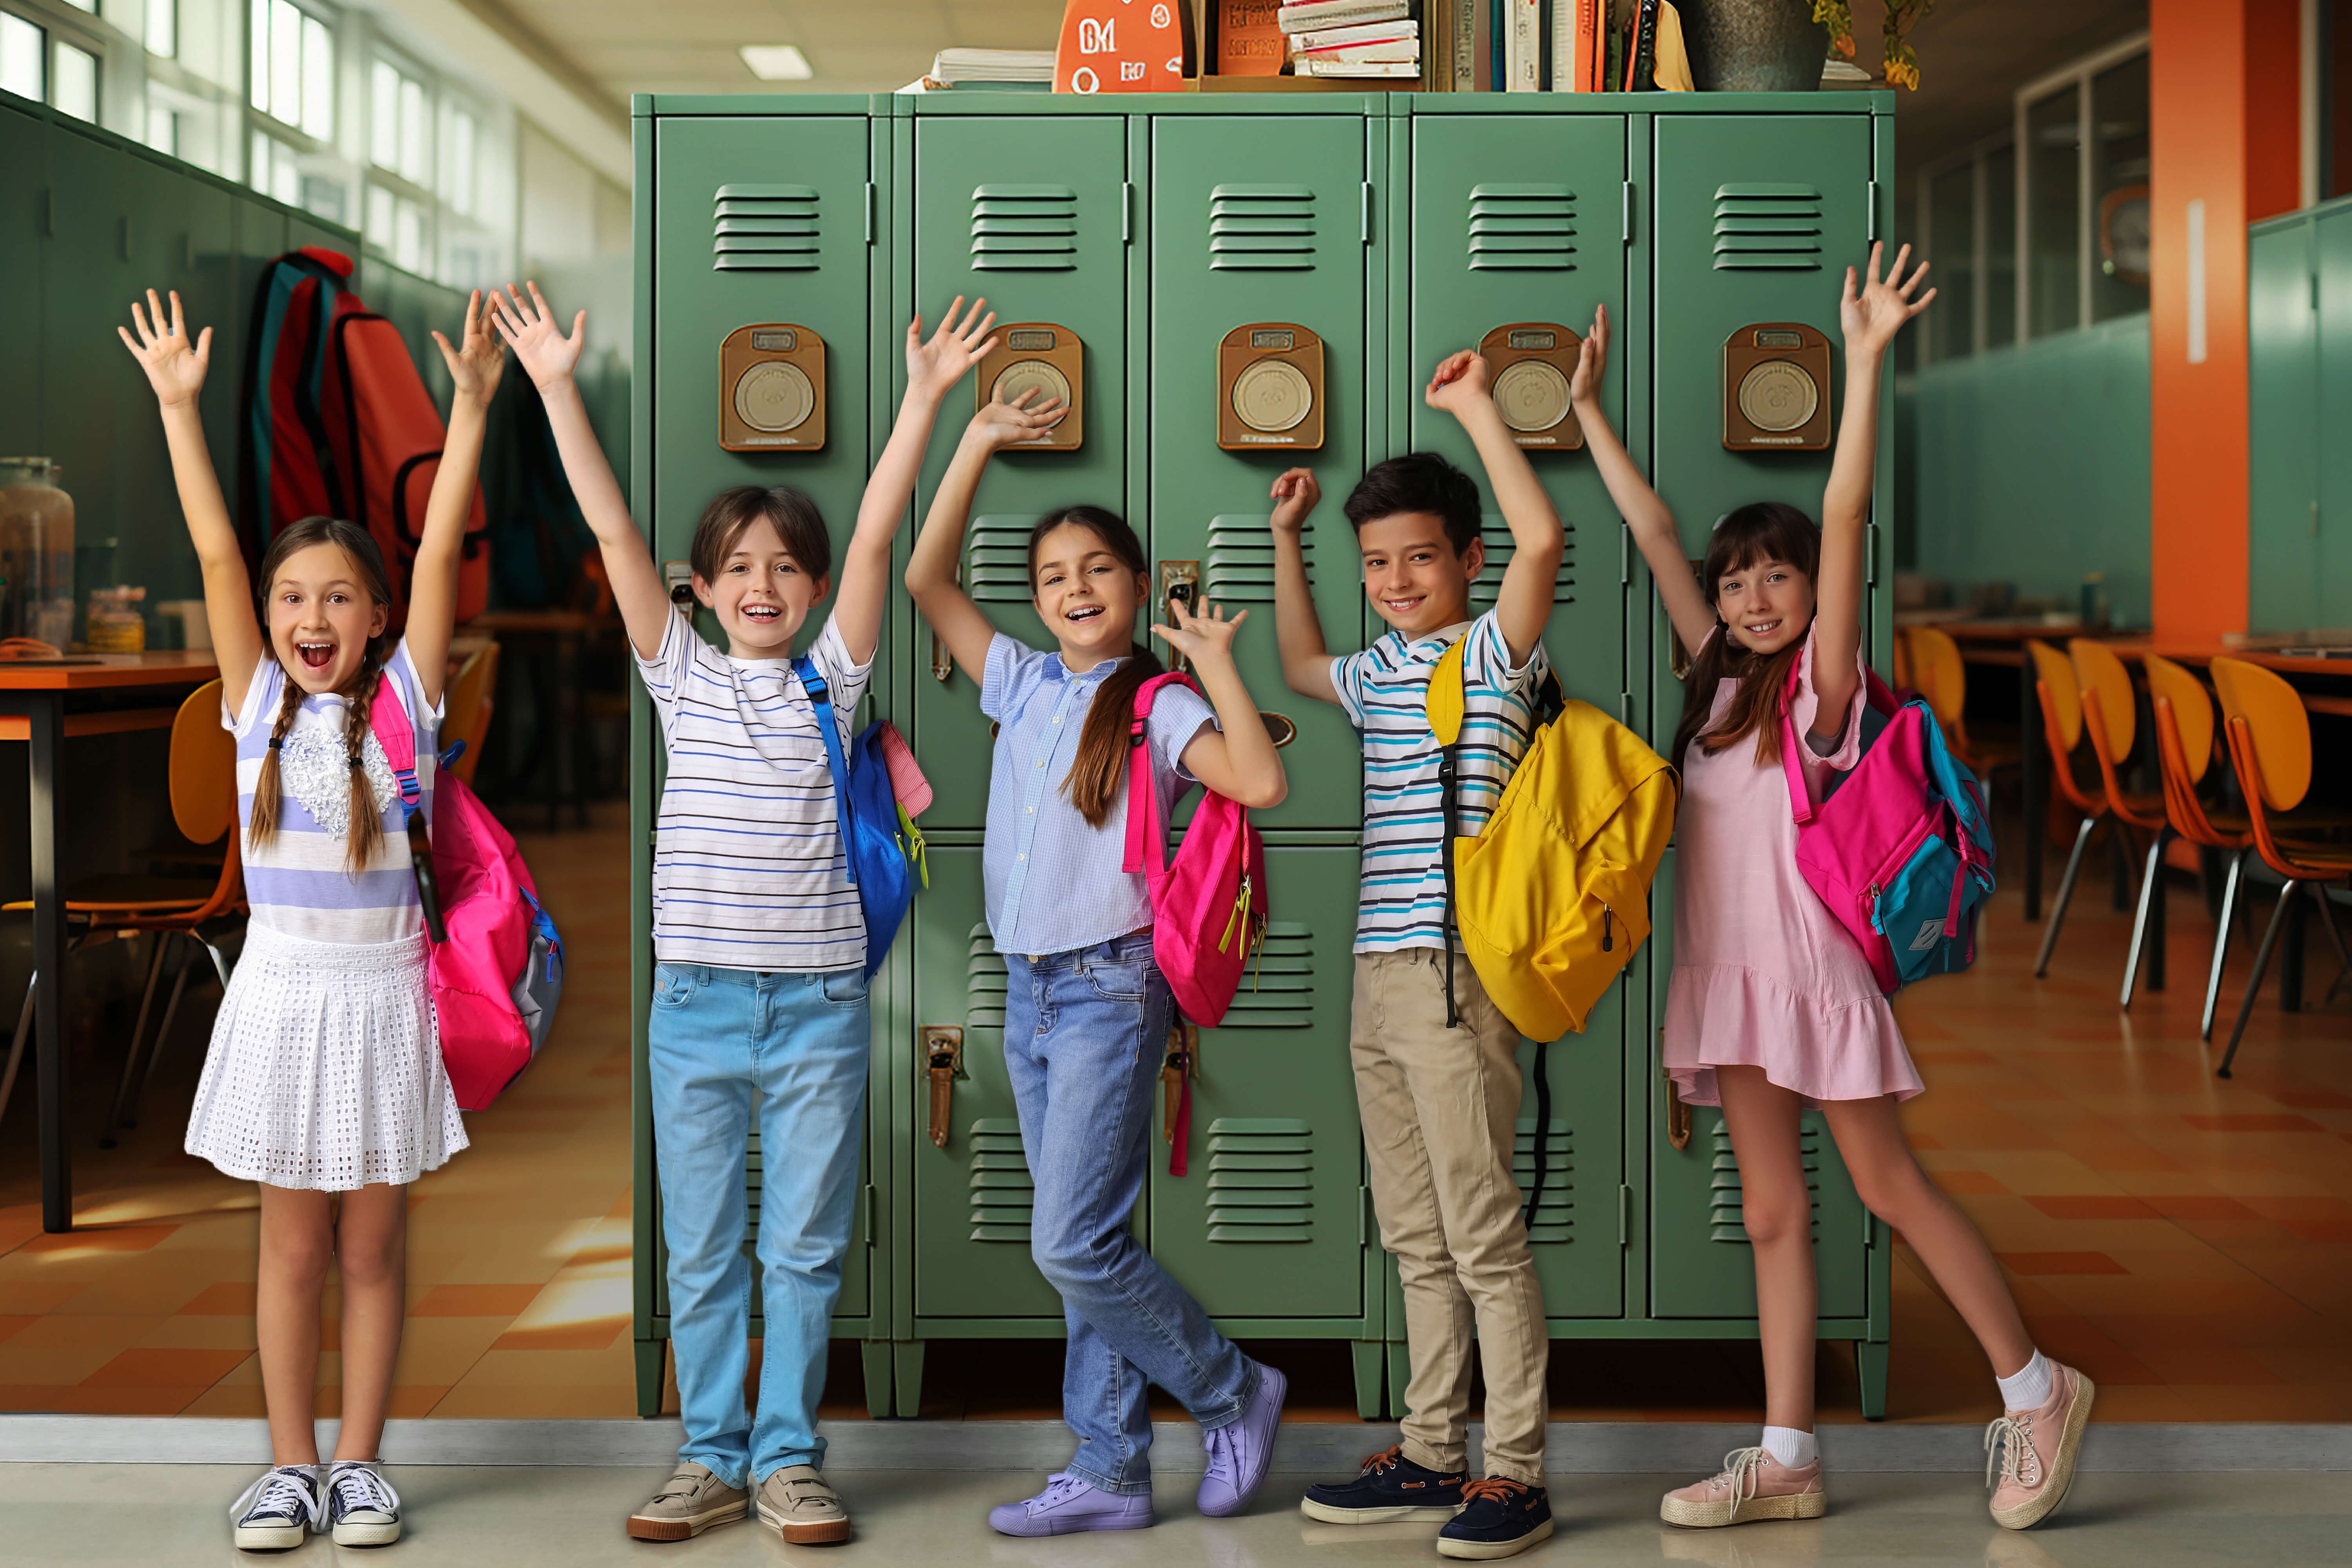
(298,883)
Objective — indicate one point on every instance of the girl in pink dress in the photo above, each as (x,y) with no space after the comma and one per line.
(1772,1008)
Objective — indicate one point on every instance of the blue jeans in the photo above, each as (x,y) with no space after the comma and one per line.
(725,1045)
(1084,1033)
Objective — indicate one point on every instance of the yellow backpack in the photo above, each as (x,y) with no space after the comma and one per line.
(1552,897)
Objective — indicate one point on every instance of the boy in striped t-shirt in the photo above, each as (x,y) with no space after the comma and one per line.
(1438,1089)
(760,1016)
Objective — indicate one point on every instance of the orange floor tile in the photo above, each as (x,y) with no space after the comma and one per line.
(2187,1241)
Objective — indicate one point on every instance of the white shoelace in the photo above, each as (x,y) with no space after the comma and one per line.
(1742,1467)
(361,1491)
(2009,1443)
(290,1492)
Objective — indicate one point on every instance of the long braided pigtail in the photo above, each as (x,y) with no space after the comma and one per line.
(367,821)
(265,786)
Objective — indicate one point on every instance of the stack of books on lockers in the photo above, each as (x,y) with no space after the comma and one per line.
(1371,40)
(991,68)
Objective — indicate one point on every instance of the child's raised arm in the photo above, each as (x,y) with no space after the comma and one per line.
(1523,604)
(932,368)
(932,564)
(175,369)
(1297,629)
(475,366)
(1869,320)
(549,358)
(1652,524)
(1237,760)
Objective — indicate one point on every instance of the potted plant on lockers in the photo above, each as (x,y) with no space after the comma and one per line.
(1777,46)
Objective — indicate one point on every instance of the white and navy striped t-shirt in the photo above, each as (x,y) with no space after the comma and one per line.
(748,868)
(1385,689)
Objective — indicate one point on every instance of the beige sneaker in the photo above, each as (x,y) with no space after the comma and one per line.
(802,1505)
(688,1503)
(1751,1485)
(2035,1451)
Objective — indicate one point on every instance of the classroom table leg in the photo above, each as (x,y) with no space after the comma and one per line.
(45,714)
(2029,727)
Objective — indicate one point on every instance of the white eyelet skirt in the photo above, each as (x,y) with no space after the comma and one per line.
(325,1068)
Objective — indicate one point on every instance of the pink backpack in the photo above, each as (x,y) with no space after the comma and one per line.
(495,964)
(1208,908)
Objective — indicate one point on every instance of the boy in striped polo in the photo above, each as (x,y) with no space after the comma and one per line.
(1439,1094)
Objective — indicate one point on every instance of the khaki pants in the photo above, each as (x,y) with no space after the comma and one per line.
(1441,1112)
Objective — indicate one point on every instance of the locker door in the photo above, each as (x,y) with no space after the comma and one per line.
(1268,1219)
(1557,181)
(23,173)
(1579,1259)
(1055,188)
(2285,514)
(2332,256)
(1701,1263)
(1755,219)
(806,179)
(972,1198)
(1231,246)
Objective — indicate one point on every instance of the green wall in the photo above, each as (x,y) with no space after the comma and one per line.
(2030,466)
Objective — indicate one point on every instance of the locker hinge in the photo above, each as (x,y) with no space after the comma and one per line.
(1869,1228)
(653,837)
(872,207)
(48,210)
(1874,209)
(2314,294)
(866,1212)
(1127,212)
(1870,567)
(1625,709)
(1625,556)
(1366,1227)
(1624,1216)
(1625,214)
(1364,214)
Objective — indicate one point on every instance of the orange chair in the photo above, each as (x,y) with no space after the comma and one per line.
(1901,659)
(2060,699)
(203,787)
(2270,745)
(467,715)
(1938,674)
(2110,719)
(2184,748)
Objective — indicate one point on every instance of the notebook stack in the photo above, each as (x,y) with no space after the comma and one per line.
(1362,40)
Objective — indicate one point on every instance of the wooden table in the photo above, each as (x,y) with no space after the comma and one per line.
(556,691)
(46,702)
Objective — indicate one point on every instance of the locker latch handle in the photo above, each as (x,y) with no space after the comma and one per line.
(943,1065)
(1678,1117)
(1180,583)
(1178,1070)
(942,661)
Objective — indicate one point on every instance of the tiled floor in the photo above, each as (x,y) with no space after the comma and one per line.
(2187,1241)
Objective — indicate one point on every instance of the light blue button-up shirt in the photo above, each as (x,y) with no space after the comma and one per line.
(1052,882)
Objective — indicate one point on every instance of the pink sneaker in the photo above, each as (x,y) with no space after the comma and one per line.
(2036,1450)
(1752,1485)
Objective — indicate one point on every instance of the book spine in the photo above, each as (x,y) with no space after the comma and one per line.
(1590,27)
(1525,54)
(1562,34)
(1463,46)
(1320,15)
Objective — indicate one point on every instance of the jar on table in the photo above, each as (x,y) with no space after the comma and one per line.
(36,551)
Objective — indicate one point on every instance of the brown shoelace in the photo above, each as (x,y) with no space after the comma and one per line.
(1386,1458)
(1499,1487)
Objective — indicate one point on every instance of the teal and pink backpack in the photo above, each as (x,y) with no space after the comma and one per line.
(1899,849)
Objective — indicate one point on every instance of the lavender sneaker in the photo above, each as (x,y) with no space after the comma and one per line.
(1068,1506)
(1240,1451)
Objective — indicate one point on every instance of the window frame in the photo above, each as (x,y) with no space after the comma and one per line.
(2076,75)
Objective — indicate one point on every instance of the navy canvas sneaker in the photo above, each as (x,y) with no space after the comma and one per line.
(1500,1518)
(1390,1489)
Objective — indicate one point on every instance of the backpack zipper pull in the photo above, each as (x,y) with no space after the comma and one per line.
(1605,913)
(1239,920)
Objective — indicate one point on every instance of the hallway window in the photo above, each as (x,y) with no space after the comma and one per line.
(293,78)
(21,47)
(2082,203)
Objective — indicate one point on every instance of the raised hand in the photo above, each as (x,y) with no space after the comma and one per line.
(999,423)
(937,364)
(1458,382)
(1206,634)
(1295,494)
(480,359)
(1870,317)
(174,367)
(529,328)
(1591,360)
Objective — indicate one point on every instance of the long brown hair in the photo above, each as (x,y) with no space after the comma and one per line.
(367,821)
(1761,532)
(1096,777)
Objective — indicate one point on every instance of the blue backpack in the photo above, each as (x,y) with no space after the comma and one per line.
(880,864)
(1951,879)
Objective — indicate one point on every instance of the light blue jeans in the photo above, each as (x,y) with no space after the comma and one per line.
(1084,1033)
(726,1044)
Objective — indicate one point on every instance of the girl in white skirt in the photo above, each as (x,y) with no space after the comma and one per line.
(324,1082)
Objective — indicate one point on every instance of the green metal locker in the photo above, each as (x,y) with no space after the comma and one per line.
(1232,248)
(24,175)
(2332,260)
(2284,513)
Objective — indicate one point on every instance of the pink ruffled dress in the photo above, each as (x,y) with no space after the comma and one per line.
(1763,976)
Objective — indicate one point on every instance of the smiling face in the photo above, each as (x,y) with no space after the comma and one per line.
(1416,579)
(323,616)
(1766,603)
(1086,594)
(762,596)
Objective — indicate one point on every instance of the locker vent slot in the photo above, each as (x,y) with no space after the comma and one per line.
(1501,547)
(1261,1180)
(1768,228)
(1241,559)
(985,983)
(1002,1194)
(1261,228)
(1722,1220)
(1024,228)
(1522,228)
(996,559)
(1279,992)
(1556,1210)
(763,228)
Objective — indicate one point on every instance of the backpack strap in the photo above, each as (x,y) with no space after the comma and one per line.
(397,733)
(821,701)
(1445,702)
(1143,800)
(1875,693)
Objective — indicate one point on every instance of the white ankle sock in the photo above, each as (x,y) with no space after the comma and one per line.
(2027,1388)
(1793,1449)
